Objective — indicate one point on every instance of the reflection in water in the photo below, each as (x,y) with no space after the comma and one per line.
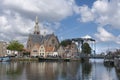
(10,71)
(52,70)
(86,70)
(118,74)
(92,70)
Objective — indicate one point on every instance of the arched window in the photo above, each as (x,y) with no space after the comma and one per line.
(53,41)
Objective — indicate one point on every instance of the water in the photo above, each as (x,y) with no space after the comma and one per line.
(93,70)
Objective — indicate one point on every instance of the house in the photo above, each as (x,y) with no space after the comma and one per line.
(42,51)
(3,48)
(12,53)
(41,45)
(70,50)
(35,50)
(61,51)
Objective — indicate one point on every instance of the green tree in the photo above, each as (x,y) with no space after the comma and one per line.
(86,48)
(15,46)
(66,42)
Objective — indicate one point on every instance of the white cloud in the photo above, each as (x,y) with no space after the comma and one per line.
(12,28)
(102,12)
(3,20)
(86,14)
(17,17)
(48,9)
(104,35)
(100,7)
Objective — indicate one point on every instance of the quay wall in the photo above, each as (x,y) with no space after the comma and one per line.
(35,59)
(24,59)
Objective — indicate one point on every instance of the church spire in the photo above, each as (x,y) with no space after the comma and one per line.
(36,28)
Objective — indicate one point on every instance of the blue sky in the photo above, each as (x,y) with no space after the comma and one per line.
(98,19)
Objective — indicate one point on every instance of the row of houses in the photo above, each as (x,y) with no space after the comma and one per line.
(41,50)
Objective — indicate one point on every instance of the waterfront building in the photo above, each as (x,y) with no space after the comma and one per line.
(12,52)
(41,45)
(61,51)
(71,50)
(3,48)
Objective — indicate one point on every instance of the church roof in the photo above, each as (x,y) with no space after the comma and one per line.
(47,36)
(35,38)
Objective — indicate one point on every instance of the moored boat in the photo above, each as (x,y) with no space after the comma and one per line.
(5,59)
(117,64)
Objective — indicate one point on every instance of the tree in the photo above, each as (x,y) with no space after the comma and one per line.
(15,46)
(66,42)
(86,48)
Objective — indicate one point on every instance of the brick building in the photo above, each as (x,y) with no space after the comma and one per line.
(41,45)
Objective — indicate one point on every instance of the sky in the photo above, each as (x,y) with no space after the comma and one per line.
(97,19)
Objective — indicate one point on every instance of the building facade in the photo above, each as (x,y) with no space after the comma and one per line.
(41,45)
(3,48)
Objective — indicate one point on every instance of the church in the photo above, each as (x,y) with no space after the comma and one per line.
(41,45)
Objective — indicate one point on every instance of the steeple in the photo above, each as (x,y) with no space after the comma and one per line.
(36,28)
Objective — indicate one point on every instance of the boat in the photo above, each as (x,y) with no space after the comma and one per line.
(117,64)
(109,60)
(5,59)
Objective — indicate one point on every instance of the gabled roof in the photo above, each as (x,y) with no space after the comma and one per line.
(35,38)
(39,39)
(47,36)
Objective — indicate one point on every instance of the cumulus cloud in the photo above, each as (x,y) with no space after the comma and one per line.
(102,12)
(14,27)
(104,35)
(17,17)
(86,14)
(53,10)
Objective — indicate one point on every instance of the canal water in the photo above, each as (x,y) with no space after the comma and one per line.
(92,70)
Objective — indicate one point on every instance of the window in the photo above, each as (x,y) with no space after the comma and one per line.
(28,46)
(34,50)
(49,45)
(53,41)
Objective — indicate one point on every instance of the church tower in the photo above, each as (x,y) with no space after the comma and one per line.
(36,28)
